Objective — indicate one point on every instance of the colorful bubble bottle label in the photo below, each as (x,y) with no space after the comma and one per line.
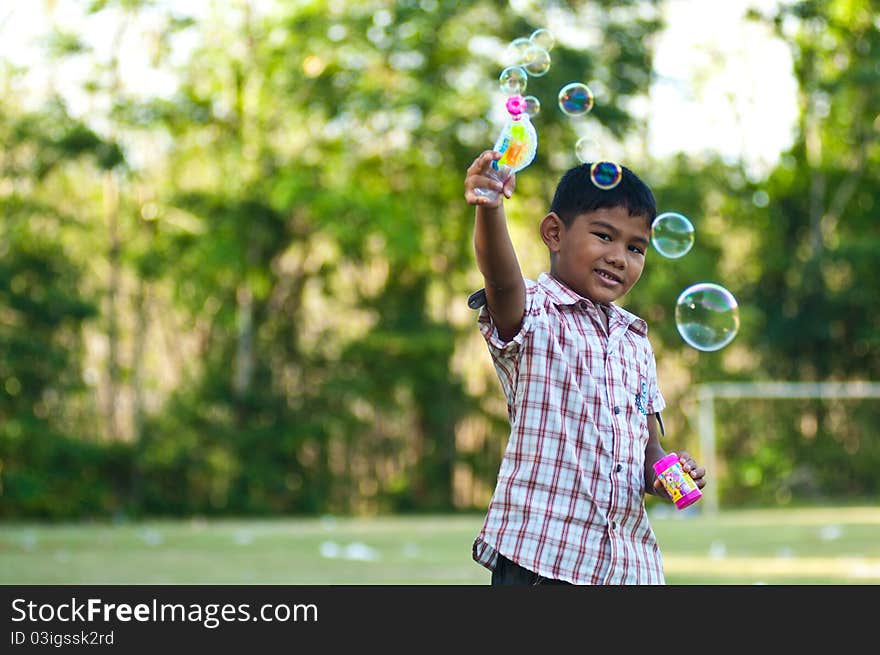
(678,484)
(518,141)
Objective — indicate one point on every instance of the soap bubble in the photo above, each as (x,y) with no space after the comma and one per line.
(606,174)
(672,235)
(533,106)
(707,316)
(515,52)
(586,149)
(575,99)
(536,61)
(544,38)
(513,80)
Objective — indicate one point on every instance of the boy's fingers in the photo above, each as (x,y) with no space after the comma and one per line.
(477,179)
(482,162)
(510,185)
(688,463)
(483,182)
(475,198)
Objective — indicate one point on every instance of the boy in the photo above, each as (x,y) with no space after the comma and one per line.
(580,380)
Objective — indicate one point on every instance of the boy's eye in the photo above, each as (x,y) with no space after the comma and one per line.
(637,249)
(602,236)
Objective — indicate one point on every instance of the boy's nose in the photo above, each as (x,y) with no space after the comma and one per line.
(616,257)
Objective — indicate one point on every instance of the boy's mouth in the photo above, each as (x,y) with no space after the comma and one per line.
(608,276)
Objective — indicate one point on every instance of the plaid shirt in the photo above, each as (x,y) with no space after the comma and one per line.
(569,500)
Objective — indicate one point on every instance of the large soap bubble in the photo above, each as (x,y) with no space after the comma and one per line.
(707,316)
(672,235)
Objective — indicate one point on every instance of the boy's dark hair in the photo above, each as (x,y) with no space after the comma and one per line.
(576,194)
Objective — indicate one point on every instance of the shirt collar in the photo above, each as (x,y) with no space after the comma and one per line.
(560,294)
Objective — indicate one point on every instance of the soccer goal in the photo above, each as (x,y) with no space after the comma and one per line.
(707,394)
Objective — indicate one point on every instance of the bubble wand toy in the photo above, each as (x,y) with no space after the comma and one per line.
(517,143)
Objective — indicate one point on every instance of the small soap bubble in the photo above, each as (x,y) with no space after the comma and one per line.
(536,61)
(760,198)
(514,54)
(513,80)
(707,316)
(544,38)
(606,174)
(575,99)
(586,149)
(533,106)
(672,235)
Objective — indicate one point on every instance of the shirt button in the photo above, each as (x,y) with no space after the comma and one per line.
(619,468)
(614,525)
(583,305)
(617,409)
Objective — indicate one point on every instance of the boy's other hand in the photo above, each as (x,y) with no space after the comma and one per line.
(478,181)
(690,466)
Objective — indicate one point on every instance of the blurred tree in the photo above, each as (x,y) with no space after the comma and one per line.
(813,233)
(287,251)
(42,311)
(319,152)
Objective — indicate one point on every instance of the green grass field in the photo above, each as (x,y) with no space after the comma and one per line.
(791,546)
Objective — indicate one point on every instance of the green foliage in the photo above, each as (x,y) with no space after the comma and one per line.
(45,469)
(49,475)
(52,138)
(382,112)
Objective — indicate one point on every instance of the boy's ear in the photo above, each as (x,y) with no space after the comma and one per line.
(552,228)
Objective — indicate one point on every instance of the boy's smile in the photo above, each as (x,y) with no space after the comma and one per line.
(601,255)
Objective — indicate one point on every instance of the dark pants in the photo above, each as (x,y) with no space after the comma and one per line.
(511,573)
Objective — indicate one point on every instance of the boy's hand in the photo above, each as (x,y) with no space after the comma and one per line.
(689,464)
(478,181)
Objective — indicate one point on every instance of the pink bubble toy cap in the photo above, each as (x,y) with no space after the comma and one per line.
(679,485)
(515,105)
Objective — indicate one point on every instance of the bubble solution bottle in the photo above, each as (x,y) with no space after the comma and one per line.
(679,485)
(517,143)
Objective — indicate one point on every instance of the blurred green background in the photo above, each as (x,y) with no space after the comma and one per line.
(235,253)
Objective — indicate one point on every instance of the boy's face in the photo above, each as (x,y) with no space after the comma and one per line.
(601,255)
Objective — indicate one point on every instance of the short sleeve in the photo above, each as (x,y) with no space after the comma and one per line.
(508,350)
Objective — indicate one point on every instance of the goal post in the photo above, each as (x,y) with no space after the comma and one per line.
(707,394)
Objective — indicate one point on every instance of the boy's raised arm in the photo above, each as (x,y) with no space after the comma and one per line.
(496,257)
